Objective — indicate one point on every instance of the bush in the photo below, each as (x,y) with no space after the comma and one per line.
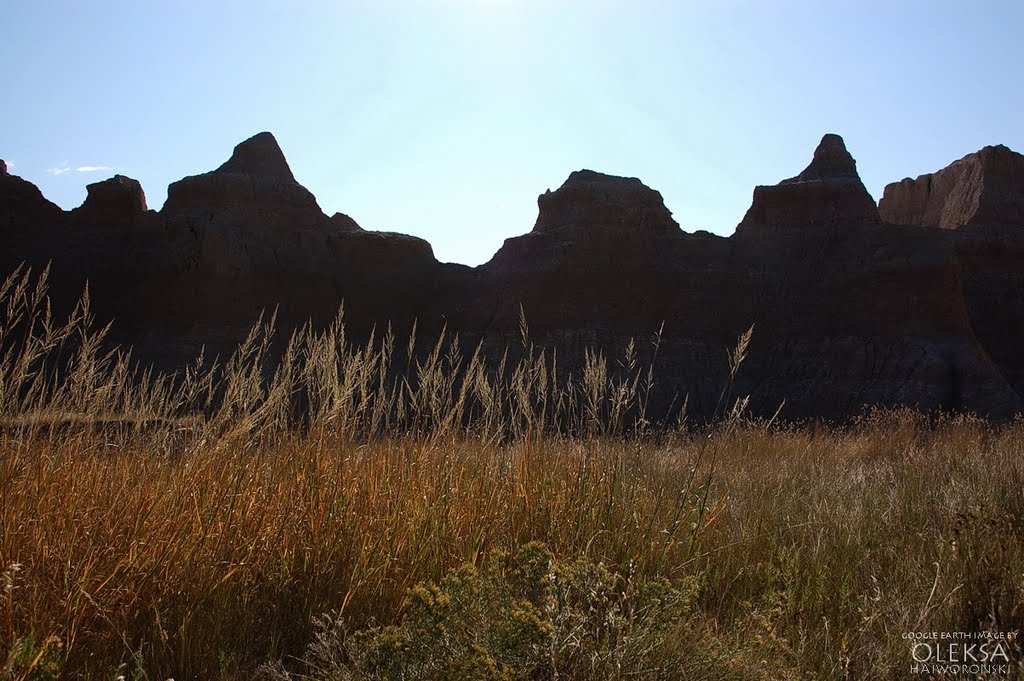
(523,616)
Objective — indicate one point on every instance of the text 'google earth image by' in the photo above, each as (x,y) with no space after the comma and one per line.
(511,340)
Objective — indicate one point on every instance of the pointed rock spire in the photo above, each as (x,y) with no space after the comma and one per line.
(254,187)
(829,191)
(831,162)
(259,156)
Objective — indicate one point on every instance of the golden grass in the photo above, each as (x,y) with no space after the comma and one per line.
(197,526)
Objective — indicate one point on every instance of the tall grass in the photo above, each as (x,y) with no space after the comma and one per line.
(208,524)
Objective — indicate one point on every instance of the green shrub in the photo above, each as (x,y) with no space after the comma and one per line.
(522,616)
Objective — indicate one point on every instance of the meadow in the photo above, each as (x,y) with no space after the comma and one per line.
(340,510)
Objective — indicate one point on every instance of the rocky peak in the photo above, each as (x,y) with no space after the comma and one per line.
(983,188)
(831,162)
(117,198)
(344,223)
(259,156)
(828,192)
(254,186)
(589,199)
(22,206)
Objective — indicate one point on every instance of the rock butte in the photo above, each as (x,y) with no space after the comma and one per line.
(918,301)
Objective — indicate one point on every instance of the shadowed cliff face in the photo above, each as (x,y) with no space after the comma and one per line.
(848,310)
(980,200)
(597,201)
(828,192)
(982,189)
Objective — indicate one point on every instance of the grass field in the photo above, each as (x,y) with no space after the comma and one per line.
(354,514)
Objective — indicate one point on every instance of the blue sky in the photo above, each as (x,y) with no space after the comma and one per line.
(446,118)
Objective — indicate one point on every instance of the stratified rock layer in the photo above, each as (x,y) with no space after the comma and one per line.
(828,192)
(848,311)
(983,188)
(254,188)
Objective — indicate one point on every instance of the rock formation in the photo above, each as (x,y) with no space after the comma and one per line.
(983,188)
(22,207)
(254,187)
(119,199)
(598,201)
(343,223)
(848,311)
(259,156)
(828,192)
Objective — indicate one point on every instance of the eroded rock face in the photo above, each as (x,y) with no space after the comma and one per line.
(23,207)
(253,187)
(983,188)
(593,200)
(848,311)
(251,233)
(610,249)
(344,223)
(978,204)
(119,199)
(259,156)
(828,192)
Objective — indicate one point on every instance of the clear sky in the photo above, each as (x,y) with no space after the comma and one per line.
(446,118)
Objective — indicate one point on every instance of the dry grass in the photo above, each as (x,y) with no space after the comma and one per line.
(197,526)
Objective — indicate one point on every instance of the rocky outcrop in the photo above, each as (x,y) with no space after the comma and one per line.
(117,200)
(249,231)
(981,189)
(596,201)
(610,248)
(255,187)
(259,156)
(343,223)
(979,203)
(848,311)
(828,192)
(23,207)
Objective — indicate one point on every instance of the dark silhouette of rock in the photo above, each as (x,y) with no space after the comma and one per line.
(983,188)
(259,156)
(23,208)
(828,192)
(249,231)
(848,311)
(254,187)
(119,199)
(597,201)
(610,248)
(831,163)
(343,223)
(3,167)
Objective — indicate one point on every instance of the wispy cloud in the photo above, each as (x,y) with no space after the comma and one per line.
(65,167)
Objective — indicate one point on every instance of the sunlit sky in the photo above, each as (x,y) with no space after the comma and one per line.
(446,118)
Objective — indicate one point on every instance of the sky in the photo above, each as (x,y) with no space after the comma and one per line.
(446,118)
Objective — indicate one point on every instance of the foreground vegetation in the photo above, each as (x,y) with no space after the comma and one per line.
(362,512)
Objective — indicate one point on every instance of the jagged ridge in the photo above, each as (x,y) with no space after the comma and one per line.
(849,310)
